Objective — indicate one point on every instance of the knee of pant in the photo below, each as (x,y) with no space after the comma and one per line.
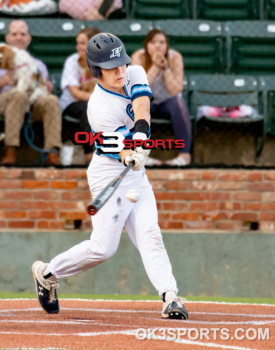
(52,100)
(19,95)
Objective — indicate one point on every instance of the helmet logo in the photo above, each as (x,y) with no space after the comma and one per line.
(116,52)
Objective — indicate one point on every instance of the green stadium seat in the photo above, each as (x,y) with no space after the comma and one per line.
(4,25)
(267,9)
(160,9)
(250,47)
(228,91)
(225,10)
(200,43)
(53,40)
(132,32)
(267,86)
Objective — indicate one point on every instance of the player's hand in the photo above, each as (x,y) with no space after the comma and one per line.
(139,149)
(138,158)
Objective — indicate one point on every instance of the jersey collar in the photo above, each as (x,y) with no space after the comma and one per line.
(116,93)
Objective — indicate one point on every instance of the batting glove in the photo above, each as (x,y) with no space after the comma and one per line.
(138,158)
(141,136)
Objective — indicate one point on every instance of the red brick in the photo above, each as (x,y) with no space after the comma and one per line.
(269,175)
(203,206)
(230,185)
(262,186)
(72,174)
(205,185)
(74,215)
(46,195)
(254,176)
(165,196)
(56,225)
(254,206)
(233,176)
(268,206)
(157,185)
(170,174)
(83,185)
(9,204)
(42,214)
(267,217)
(2,174)
(25,224)
(186,216)
(214,216)
(245,216)
(268,197)
(247,196)
(49,174)
(3,224)
(174,206)
(171,225)
(28,175)
(229,225)
(209,175)
(192,175)
(19,195)
(151,174)
(232,206)
(77,196)
(13,173)
(163,216)
(34,205)
(190,196)
(64,185)
(15,214)
(198,225)
(77,205)
(7,184)
(177,185)
(267,226)
(42,225)
(217,196)
(35,184)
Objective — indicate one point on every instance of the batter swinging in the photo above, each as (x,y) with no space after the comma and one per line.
(120,102)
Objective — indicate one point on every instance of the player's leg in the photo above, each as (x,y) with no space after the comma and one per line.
(143,229)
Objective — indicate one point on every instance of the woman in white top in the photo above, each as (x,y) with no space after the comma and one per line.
(74,100)
(164,69)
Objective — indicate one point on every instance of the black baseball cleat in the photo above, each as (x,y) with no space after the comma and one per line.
(174,309)
(45,289)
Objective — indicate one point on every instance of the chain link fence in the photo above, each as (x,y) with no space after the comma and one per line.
(214,82)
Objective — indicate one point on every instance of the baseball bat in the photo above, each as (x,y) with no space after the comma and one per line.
(97,203)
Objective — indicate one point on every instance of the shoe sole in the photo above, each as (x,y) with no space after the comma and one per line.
(176,316)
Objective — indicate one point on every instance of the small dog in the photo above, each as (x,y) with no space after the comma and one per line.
(87,81)
(25,71)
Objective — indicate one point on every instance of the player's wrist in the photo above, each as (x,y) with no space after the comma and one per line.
(141,127)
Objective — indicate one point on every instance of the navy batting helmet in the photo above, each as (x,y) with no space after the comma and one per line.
(105,51)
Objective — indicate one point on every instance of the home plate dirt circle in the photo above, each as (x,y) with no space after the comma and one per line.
(108,324)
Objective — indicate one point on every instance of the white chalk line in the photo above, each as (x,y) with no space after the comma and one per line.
(137,311)
(150,301)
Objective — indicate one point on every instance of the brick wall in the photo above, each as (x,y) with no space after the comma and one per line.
(53,199)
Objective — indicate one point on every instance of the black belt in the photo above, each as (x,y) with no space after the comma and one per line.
(101,154)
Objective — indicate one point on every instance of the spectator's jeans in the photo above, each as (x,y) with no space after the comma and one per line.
(176,109)
(79,110)
(15,103)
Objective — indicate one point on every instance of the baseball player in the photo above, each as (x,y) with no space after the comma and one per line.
(120,102)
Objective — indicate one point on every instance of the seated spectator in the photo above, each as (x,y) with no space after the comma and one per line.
(77,85)
(91,10)
(14,103)
(164,69)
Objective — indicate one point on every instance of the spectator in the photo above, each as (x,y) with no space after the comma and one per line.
(164,69)
(14,103)
(91,10)
(74,99)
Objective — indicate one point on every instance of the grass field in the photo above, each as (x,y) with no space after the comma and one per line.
(271,301)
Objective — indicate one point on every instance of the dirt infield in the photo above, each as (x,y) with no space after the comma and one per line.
(87,324)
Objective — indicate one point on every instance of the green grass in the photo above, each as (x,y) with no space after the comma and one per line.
(7,295)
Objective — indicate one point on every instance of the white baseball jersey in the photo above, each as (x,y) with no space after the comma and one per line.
(111,111)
